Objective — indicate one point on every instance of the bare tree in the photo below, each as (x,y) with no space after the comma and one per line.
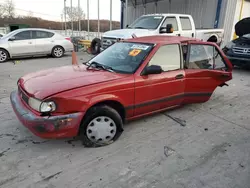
(9,8)
(76,13)
(2,11)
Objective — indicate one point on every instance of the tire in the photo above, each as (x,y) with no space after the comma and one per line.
(57,52)
(4,56)
(110,126)
(95,47)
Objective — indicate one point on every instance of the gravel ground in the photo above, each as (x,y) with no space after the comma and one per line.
(208,146)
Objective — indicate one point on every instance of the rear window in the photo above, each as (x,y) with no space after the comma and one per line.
(123,57)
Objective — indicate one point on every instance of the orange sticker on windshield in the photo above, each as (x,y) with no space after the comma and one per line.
(134,52)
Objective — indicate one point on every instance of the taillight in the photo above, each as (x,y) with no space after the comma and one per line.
(68,38)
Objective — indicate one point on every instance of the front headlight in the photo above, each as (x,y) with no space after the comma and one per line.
(34,103)
(48,106)
(40,106)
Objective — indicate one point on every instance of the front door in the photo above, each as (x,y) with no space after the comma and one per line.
(23,44)
(159,91)
(206,69)
(173,21)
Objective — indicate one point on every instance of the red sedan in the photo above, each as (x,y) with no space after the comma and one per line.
(130,79)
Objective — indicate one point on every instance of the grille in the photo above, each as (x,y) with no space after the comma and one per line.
(23,95)
(242,51)
(106,42)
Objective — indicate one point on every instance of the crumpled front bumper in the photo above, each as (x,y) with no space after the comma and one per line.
(61,126)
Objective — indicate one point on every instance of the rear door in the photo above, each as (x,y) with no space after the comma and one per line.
(187,26)
(159,91)
(206,69)
(44,41)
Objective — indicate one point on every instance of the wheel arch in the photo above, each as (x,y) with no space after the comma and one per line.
(213,38)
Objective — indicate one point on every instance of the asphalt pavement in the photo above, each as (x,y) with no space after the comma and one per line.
(196,146)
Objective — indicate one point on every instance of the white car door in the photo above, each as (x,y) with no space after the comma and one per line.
(44,41)
(22,44)
(188,30)
(171,20)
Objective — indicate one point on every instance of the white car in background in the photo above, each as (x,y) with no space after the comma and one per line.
(31,42)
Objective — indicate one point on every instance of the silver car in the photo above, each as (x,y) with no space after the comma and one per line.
(31,42)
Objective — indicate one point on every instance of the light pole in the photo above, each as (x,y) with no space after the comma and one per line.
(79,17)
(110,15)
(98,6)
(88,16)
(65,24)
(71,12)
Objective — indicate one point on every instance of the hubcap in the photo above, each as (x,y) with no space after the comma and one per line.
(101,129)
(58,52)
(3,56)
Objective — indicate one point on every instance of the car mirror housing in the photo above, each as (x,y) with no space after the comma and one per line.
(12,38)
(152,69)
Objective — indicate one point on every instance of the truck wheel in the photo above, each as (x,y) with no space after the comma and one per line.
(102,125)
(4,56)
(57,51)
(95,46)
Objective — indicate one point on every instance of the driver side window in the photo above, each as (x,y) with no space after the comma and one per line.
(171,20)
(168,57)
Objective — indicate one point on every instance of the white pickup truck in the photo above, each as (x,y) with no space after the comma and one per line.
(162,24)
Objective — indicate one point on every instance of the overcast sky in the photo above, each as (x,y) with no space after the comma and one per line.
(52,9)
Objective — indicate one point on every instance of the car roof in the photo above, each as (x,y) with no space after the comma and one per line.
(29,29)
(165,14)
(156,39)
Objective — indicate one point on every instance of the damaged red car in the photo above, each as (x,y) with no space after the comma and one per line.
(128,80)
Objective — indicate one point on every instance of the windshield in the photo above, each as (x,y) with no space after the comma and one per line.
(247,36)
(146,22)
(123,57)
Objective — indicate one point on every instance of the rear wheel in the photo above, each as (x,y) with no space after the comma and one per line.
(57,52)
(101,126)
(4,56)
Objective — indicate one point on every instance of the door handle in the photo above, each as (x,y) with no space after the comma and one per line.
(192,34)
(179,76)
(179,35)
(30,42)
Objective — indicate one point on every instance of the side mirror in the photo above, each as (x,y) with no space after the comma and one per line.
(12,38)
(152,69)
(127,26)
(170,28)
(163,30)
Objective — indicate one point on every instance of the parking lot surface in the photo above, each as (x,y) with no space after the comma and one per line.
(202,145)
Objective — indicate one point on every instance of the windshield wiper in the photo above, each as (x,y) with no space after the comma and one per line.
(98,65)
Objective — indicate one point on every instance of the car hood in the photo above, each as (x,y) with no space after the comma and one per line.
(243,27)
(48,82)
(127,33)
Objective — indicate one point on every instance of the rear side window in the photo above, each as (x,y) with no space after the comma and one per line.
(186,23)
(41,34)
(24,35)
(205,57)
(171,20)
(168,57)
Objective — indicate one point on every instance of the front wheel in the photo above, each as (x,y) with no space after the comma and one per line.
(57,52)
(102,126)
(3,55)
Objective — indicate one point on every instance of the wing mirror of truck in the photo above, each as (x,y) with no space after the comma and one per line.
(152,69)
(170,28)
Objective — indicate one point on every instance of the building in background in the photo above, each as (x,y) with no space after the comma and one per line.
(207,14)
